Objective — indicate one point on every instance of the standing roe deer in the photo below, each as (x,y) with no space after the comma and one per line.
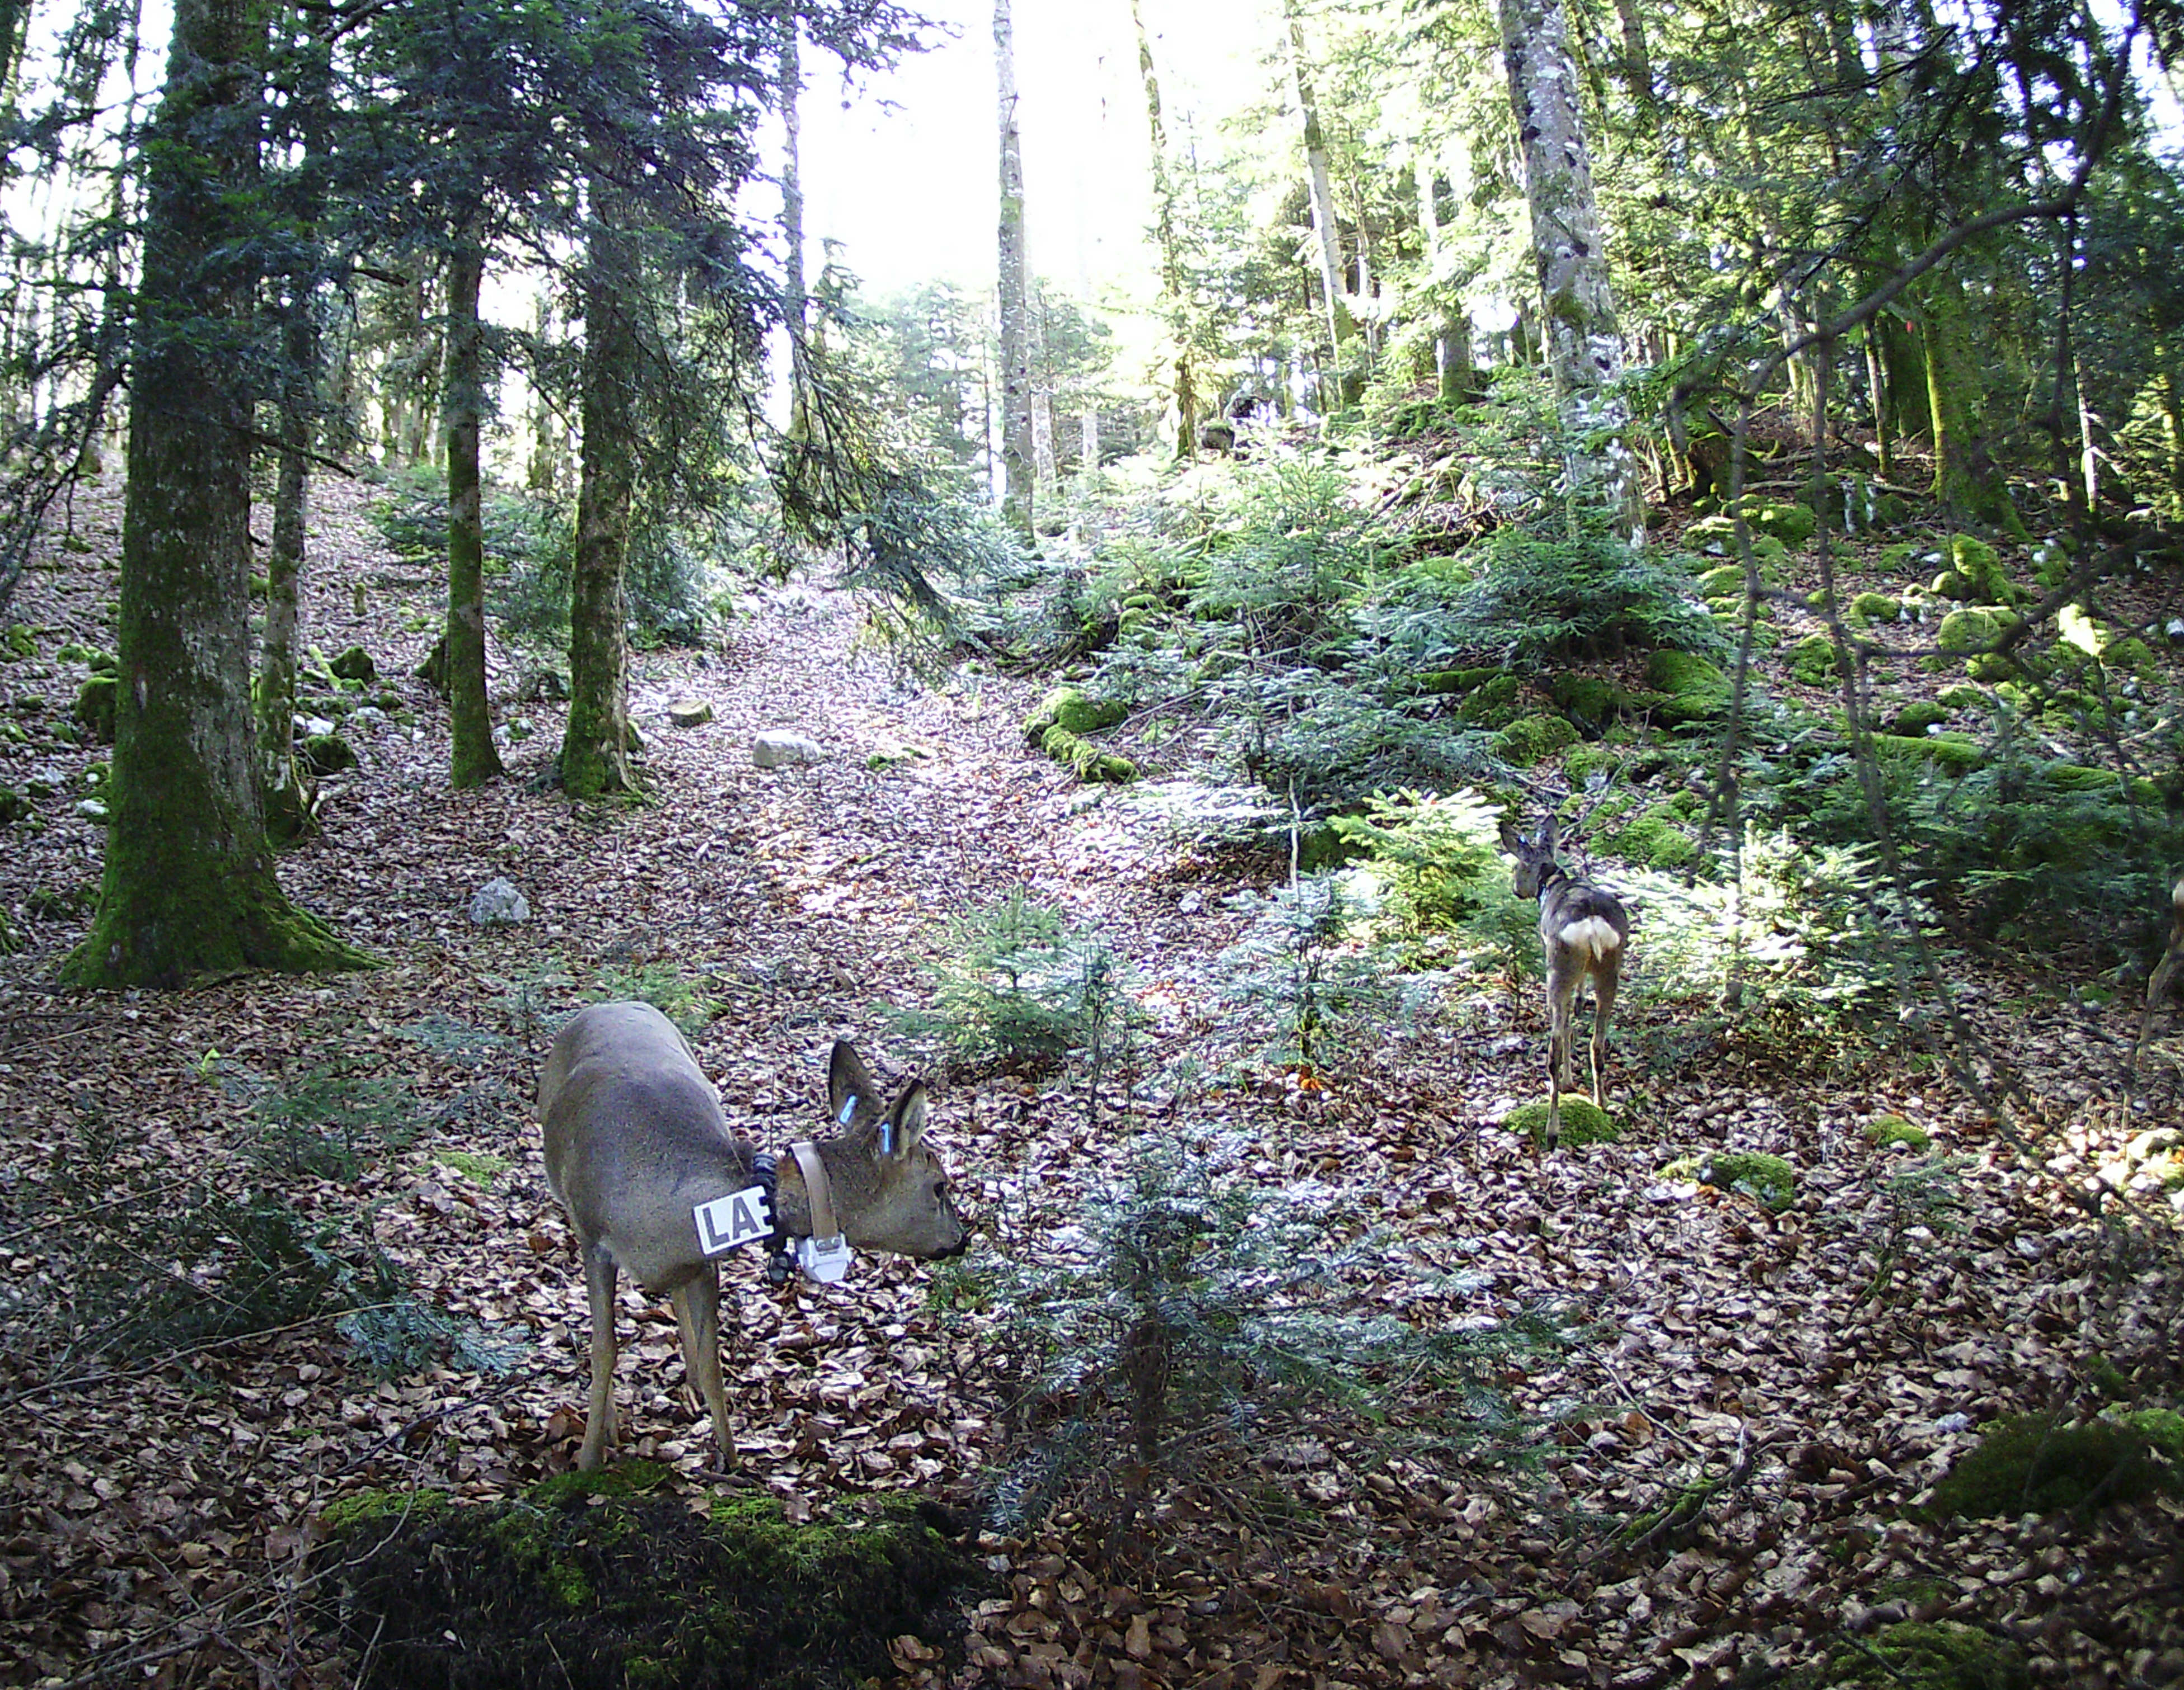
(2172,959)
(1583,930)
(636,1141)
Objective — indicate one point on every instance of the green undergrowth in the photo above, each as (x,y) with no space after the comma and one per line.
(611,1579)
(1767,1179)
(2040,1464)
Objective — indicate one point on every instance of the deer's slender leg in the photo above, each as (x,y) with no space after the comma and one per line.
(697,1312)
(599,1415)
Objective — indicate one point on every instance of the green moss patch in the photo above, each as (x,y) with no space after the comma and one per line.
(1074,711)
(1876,607)
(1918,716)
(1918,1656)
(1583,1122)
(2038,1464)
(1697,689)
(1527,740)
(1653,838)
(477,1167)
(1768,1180)
(1883,1132)
(1492,703)
(1085,760)
(580,1585)
(1811,660)
(94,706)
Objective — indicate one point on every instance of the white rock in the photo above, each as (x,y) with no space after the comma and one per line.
(499,904)
(777,747)
(690,712)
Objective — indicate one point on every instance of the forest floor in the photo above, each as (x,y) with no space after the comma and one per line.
(1801,1378)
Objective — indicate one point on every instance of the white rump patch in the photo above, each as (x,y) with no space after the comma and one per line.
(1591,934)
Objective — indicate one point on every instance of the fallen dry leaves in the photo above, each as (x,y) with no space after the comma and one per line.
(158,1514)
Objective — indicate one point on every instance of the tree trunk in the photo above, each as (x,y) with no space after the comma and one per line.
(790,82)
(594,748)
(1017,467)
(1967,482)
(189,886)
(1877,382)
(1174,288)
(1583,343)
(475,760)
(288,793)
(1341,326)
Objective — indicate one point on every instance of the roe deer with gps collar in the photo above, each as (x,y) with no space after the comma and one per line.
(1583,930)
(655,1184)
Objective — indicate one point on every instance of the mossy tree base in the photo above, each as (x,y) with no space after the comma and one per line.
(604,1580)
(166,935)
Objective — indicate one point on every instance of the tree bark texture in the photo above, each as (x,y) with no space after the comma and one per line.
(1018,474)
(1967,482)
(287,790)
(790,83)
(189,888)
(475,759)
(1583,343)
(594,747)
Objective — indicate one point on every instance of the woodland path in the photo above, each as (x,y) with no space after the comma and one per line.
(144,1496)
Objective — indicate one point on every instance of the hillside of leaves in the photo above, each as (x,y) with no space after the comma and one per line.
(1282,1357)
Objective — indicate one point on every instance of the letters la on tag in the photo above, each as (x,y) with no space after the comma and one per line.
(740,1217)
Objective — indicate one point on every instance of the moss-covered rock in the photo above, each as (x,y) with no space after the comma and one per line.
(1527,740)
(1075,711)
(1696,689)
(2039,1463)
(1876,607)
(327,753)
(1447,682)
(1492,703)
(1966,696)
(1768,1180)
(1085,760)
(1918,716)
(1811,660)
(1959,753)
(94,706)
(1980,574)
(20,640)
(1585,762)
(1654,838)
(1884,1132)
(1583,1122)
(589,1587)
(355,664)
(1967,630)
(1917,1655)
(1587,699)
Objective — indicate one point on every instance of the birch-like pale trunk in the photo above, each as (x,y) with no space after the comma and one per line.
(1174,289)
(1341,326)
(1019,475)
(790,84)
(1581,340)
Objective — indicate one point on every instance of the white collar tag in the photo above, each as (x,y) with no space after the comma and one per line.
(825,1261)
(825,1256)
(740,1218)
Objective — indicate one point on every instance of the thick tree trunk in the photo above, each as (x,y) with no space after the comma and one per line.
(1341,326)
(288,789)
(1018,471)
(1967,482)
(475,759)
(594,748)
(189,887)
(1175,290)
(1583,343)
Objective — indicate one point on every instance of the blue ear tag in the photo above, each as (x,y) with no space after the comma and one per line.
(887,1137)
(849,1109)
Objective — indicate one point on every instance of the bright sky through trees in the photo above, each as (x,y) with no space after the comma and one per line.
(911,190)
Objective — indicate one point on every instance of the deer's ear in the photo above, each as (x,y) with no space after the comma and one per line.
(904,1125)
(1550,832)
(852,1094)
(1512,840)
